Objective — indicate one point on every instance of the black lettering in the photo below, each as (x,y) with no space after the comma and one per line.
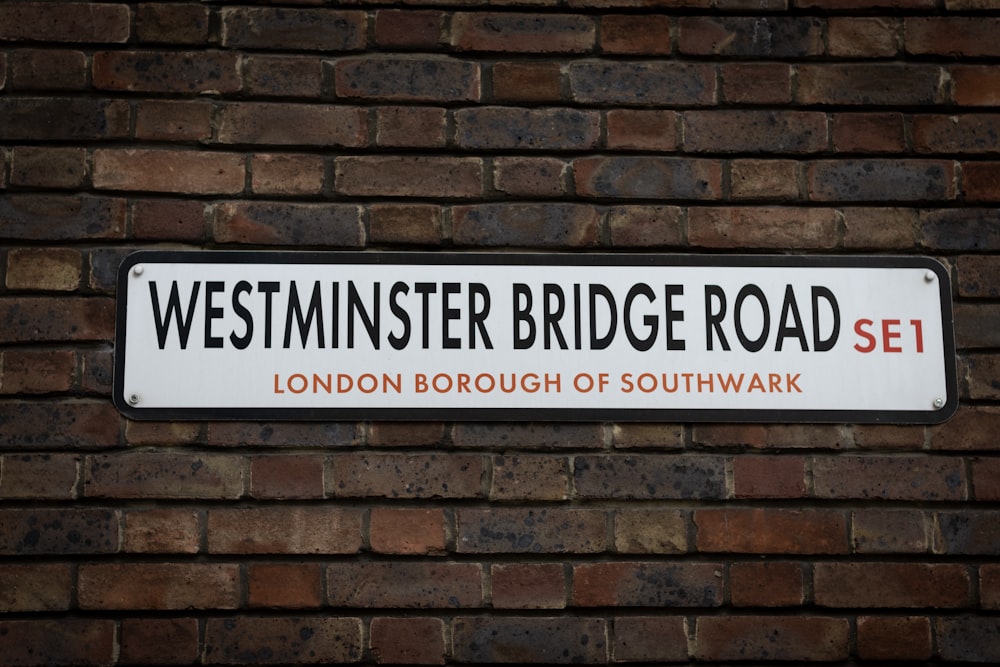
(523,315)
(212,287)
(713,318)
(356,306)
(752,345)
(315,310)
(448,314)
(401,341)
(819,344)
(602,342)
(651,321)
(477,317)
(425,290)
(268,288)
(550,318)
(162,321)
(789,306)
(670,291)
(242,342)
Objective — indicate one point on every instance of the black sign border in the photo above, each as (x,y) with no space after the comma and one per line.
(540,414)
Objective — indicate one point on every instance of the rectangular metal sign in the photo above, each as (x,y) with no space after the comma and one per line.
(351,336)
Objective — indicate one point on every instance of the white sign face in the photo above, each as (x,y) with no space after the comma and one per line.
(278,335)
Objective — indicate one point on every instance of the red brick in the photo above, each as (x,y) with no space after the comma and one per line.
(158,120)
(409,176)
(753,37)
(916,478)
(399,584)
(283,76)
(407,78)
(47,69)
(526,530)
(769,477)
(754,131)
(162,531)
(894,638)
(39,476)
(58,217)
(756,83)
(418,224)
(412,127)
(527,82)
(869,133)
(287,175)
(528,586)
(33,588)
(292,124)
(643,83)
(866,83)
(530,176)
(530,478)
(165,219)
(975,85)
(44,269)
(408,29)
(880,228)
(163,475)
(974,133)
(286,476)
(630,584)
(284,530)
(403,476)
(522,33)
(651,531)
(552,225)
(767,584)
(410,532)
(777,531)
(533,640)
(288,28)
(764,179)
(979,181)
(647,177)
(184,72)
(650,639)
(890,531)
(285,585)
(972,428)
(635,35)
(62,641)
(44,167)
(63,119)
(888,585)
(158,586)
(642,129)
(74,22)
(167,23)
(989,586)
(178,171)
(291,223)
(31,371)
(405,434)
(864,37)
(78,424)
(410,641)
(986,478)
(159,641)
(952,36)
(810,638)
(282,640)
(762,227)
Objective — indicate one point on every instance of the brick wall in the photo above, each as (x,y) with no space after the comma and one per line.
(816,126)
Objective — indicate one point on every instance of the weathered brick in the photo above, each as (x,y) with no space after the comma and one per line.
(419,224)
(974,324)
(39,476)
(968,533)
(889,531)
(409,176)
(952,35)
(650,639)
(280,640)
(162,531)
(37,587)
(969,228)
(530,176)
(769,477)
(525,436)
(522,33)
(894,638)
(168,23)
(840,5)
(158,586)
(917,478)
(869,133)
(650,531)
(185,72)
(521,224)
(159,120)
(58,217)
(756,83)
(527,81)
(63,118)
(393,641)
(973,133)
(62,641)
(409,29)
(650,476)
(408,531)
(528,586)
(764,179)
(407,78)
(104,264)
(74,22)
(986,478)
(758,530)
(175,171)
(44,269)
(525,530)
(284,530)
(168,219)
(864,36)
(46,531)
(492,128)
(47,69)
(406,476)
(401,584)
(887,585)
(285,585)
(159,641)
(162,475)
(529,478)
(972,428)
(286,476)
(643,226)
(767,584)
(292,124)
(751,37)
(975,85)
(648,177)
(36,371)
(46,167)
(870,84)
(539,640)
(286,28)
(968,638)
(989,586)
(283,76)
(56,319)
(79,424)
(762,227)
(287,175)
(279,223)
(413,127)
(796,638)
(282,434)
(771,436)
(979,181)
(631,584)
(881,180)
(161,433)
(641,129)
(635,35)
(642,83)
(885,228)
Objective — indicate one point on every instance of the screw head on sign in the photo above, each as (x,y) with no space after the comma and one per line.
(929,276)
(133,399)
(137,270)
(938,402)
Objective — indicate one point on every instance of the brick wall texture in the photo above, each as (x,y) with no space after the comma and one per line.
(665,126)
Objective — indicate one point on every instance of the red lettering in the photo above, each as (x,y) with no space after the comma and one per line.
(859,329)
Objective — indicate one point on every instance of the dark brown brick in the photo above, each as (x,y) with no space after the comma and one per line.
(887,585)
(968,533)
(756,83)
(869,133)
(58,217)
(174,171)
(284,530)
(70,425)
(769,476)
(795,638)
(161,433)
(525,530)
(163,475)
(527,82)
(989,586)
(765,179)
(979,181)
(44,269)
(168,23)
(289,28)
(522,33)
(952,36)
(158,120)
(62,119)
(185,72)
(767,584)
(162,531)
(973,133)
(405,584)
(282,640)
(864,36)
(34,371)
(635,35)
(527,436)
(762,227)
(974,324)
(395,641)
(158,586)
(509,128)
(915,478)
(968,229)
(531,640)
(65,641)
(409,29)
(642,129)
(47,69)
(39,476)
(645,83)
(894,638)
(975,85)
(166,219)
(287,174)
(771,436)
(870,84)
(407,476)
(530,176)
(528,586)
(413,127)
(751,37)
(650,477)
(34,588)
(286,476)
(74,22)
(968,638)
(754,131)
(56,319)
(409,176)
(410,79)
(419,224)
(45,167)
(285,585)
(972,428)
(521,224)
(876,530)
(630,584)
(292,124)
(283,76)
(651,531)
(530,477)
(629,177)
(880,228)
(986,478)
(978,276)
(279,223)
(159,641)
(778,531)
(408,531)
(882,180)
(282,434)
(644,226)
(38,532)
(650,639)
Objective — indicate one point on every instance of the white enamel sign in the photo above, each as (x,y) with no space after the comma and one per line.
(348,336)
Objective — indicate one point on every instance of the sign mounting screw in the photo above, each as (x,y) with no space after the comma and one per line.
(938,402)
(133,399)
(137,270)
(929,276)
